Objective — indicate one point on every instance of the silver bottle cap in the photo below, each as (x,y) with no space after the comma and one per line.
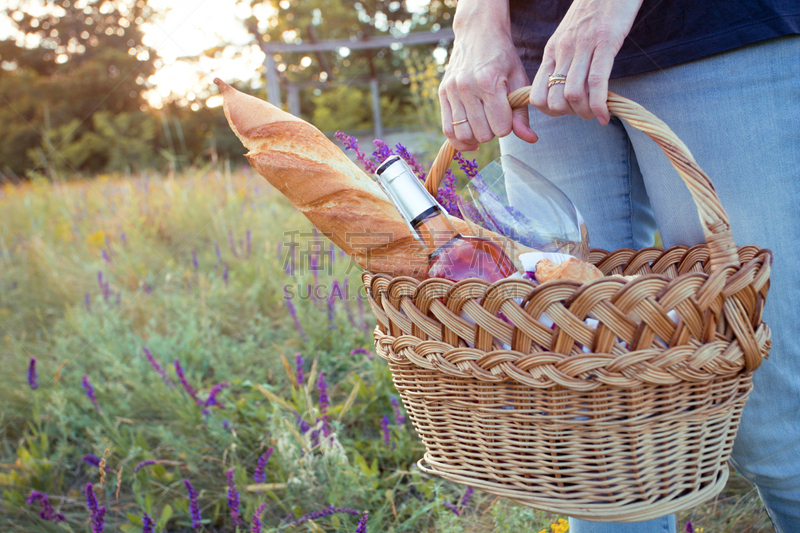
(405,189)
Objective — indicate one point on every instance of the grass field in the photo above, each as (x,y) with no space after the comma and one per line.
(165,354)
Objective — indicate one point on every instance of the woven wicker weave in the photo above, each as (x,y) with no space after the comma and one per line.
(639,427)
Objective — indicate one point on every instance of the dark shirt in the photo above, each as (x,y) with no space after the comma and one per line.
(665,32)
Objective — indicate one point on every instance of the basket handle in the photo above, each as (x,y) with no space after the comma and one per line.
(716,227)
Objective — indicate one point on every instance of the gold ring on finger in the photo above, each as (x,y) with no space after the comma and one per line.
(556,82)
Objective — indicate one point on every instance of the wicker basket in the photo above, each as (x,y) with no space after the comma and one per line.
(623,433)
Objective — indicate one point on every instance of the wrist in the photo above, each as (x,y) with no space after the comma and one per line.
(486,14)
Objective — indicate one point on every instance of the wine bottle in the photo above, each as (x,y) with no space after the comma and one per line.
(450,255)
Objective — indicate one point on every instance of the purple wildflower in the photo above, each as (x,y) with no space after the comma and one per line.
(260,475)
(351,143)
(452,508)
(470,168)
(232,243)
(247,240)
(387,438)
(359,351)
(225,274)
(689,527)
(382,151)
(47,512)
(331,309)
(233,500)
(302,424)
(157,367)
(447,195)
(90,391)
(106,257)
(399,419)
(212,395)
(189,389)
(467,495)
(194,506)
(226,424)
(362,524)
(32,376)
(92,460)
(147,524)
(257,518)
(98,512)
(103,286)
(142,464)
(298,363)
(403,152)
(216,248)
(322,386)
(195,264)
(87,300)
(322,513)
(293,313)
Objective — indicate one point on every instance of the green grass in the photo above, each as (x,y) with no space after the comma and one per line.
(52,238)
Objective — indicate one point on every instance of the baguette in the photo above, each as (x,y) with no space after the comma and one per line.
(334,194)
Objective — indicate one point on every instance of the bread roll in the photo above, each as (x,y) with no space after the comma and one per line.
(337,197)
(572,269)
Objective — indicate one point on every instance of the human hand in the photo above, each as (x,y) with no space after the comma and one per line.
(583,48)
(483,68)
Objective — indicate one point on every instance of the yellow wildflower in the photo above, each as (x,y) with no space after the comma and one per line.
(98,238)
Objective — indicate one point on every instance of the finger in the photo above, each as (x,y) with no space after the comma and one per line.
(576,90)
(498,110)
(597,80)
(447,116)
(521,124)
(555,95)
(464,139)
(539,88)
(478,122)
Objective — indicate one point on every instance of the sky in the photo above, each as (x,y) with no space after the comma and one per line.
(184,29)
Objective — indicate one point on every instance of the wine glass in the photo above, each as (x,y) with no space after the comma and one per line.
(516,202)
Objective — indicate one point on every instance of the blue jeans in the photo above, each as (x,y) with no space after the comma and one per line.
(739,114)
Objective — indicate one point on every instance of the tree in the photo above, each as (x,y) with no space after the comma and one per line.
(61,68)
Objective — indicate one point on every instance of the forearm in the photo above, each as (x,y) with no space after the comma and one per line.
(494,13)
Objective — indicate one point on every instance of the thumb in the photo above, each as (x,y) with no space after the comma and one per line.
(521,125)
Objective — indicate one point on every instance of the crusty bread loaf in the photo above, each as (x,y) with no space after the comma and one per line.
(325,185)
(572,269)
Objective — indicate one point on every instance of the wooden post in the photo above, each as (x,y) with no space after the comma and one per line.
(293,99)
(273,85)
(376,108)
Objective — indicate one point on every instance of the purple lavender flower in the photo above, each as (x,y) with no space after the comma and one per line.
(212,395)
(182,377)
(322,386)
(157,367)
(331,309)
(399,419)
(194,506)
(47,512)
(387,437)
(403,152)
(233,500)
(247,240)
(257,518)
(351,143)
(322,513)
(106,257)
(195,264)
(142,464)
(362,524)
(470,168)
(467,495)
(91,460)
(260,475)
(226,424)
(298,363)
(87,300)
(302,425)
(216,249)
(382,151)
(32,376)
(98,512)
(90,391)
(232,243)
(360,351)
(225,274)
(293,313)
(452,508)
(103,286)
(147,524)
(689,527)
(447,195)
